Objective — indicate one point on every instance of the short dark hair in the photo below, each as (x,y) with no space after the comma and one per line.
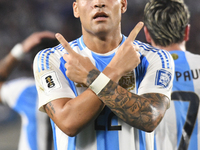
(166,21)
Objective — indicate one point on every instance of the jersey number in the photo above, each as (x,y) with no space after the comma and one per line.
(109,122)
(191,117)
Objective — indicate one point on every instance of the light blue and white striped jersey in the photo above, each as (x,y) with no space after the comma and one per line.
(21,96)
(107,132)
(180,127)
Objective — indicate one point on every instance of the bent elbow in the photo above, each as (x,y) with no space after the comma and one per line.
(155,122)
(70,130)
(151,129)
(148,128)
(70,133)
(151,124)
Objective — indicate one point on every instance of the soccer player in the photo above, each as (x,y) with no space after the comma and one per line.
(167,27)
(80,90)
(20,94)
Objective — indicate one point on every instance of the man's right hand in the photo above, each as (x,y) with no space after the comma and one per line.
(78,66)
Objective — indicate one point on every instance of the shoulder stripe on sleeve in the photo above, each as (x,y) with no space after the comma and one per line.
(162,59)
(43,59)
(164,55)
(166,58)
(146,47)
(38,60)
(44,55)
(73,44)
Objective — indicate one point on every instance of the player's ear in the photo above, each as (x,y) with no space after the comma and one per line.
(124,6)
(75,10)
(147,35)
(187,32)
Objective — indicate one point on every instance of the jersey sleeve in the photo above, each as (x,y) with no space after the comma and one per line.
(159,74)
(50,81)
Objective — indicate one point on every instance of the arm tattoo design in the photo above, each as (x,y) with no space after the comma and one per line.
(143,112)
(92,76)
(49,108)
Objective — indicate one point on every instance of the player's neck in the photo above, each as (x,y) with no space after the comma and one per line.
(172,47)
(102,44)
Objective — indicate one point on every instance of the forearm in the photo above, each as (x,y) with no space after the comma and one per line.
(73,115)
(143,112)
(7,65)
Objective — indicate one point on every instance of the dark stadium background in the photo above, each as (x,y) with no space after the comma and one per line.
(20,18)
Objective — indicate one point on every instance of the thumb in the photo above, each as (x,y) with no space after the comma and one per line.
(135,32)
(65,44)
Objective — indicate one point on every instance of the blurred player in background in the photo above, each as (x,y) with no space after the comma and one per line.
(167,27)
(88,108)
(20,94)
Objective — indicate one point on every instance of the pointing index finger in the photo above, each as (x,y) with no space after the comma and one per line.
(64,43)
(135,32)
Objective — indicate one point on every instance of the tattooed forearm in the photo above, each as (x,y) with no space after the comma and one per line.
(50,109)
(92,76)
(143,112)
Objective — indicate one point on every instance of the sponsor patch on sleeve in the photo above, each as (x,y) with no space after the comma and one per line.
(163,78)
(50,81)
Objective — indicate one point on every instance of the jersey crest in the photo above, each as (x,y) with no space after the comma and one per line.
(128,81)
(163,78)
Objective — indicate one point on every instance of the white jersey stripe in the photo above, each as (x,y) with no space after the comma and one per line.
(81,43)
(54,134)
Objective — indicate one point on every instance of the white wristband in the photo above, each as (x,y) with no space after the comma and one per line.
(99,83)
(17,51)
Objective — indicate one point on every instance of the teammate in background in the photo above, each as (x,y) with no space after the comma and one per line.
(167,27)
(80,90)
(20,94)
